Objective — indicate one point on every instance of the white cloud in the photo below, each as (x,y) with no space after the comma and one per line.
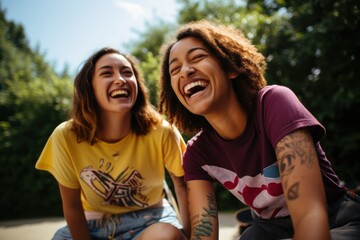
(135,10)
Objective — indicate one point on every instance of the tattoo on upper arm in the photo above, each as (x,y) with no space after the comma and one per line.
(202,223)
(293,192)
(286,162)
(294,147)
(291,147)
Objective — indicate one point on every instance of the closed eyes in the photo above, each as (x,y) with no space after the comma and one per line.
(194,59)
(126,73)
(174,70)
(106,73)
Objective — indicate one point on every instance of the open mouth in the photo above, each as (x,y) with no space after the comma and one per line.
(194,87)
(119,93)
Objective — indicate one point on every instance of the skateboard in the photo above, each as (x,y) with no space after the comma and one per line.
(244,219)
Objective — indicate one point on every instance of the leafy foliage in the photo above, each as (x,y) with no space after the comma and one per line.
(317,55)
(146,50)
(33,100)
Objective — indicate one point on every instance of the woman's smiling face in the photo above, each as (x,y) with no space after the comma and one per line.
(114,83)
(197,78)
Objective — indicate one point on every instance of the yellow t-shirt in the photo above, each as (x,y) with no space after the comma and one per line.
(114,177)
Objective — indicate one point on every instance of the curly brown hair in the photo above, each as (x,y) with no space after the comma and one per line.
(85,113)
(235,54)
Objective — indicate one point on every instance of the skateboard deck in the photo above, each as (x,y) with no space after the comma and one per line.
(244,218)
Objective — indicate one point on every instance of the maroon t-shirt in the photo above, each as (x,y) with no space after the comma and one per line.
(247,166)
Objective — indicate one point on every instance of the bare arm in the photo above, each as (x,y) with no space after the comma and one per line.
(303,186)
(203,210)
(181,196)
(74,213)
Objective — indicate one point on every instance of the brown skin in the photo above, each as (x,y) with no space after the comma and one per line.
(203,211)
(162,231)
(303,186)
(191,62)
(181,197)
(74,213)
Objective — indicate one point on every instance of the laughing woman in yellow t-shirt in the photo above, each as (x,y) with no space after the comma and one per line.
(110,157)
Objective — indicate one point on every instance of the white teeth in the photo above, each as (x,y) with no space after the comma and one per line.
(194,84)
(119,93)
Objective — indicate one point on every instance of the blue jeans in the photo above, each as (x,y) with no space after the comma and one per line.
(344,220)
(127,226)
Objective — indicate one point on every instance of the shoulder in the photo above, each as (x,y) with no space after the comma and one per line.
(64,130)
(280,112)
(63,127)
(276,97)
(164,128)
(275,91)
(201,138)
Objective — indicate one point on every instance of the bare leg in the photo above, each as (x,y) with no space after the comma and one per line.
(162,231)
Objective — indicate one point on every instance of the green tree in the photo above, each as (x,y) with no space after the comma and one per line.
(33,100)
(316,52)
(146,49)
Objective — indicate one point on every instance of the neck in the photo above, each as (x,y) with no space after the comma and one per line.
(230,123)
(114,128)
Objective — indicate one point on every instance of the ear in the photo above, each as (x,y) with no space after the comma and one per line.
(232,75)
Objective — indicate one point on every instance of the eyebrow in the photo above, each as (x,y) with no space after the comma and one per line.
(111,67)
(104,67)
(188,52)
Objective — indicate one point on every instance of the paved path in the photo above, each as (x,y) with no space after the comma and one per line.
(43,229)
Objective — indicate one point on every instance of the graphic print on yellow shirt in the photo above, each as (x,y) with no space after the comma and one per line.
(124,190)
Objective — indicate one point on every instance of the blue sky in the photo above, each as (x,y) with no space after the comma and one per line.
(68,31)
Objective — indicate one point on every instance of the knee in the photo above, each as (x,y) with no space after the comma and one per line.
(162,231)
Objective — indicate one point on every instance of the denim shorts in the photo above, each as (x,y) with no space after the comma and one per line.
(127,226)
(344,221)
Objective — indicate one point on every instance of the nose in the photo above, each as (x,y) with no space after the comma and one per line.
(186,71)
(119,79)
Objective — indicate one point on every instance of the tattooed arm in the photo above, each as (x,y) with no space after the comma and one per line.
(203,210)
(303,186)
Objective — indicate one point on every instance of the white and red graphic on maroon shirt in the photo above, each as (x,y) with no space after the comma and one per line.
(124,190)
(263,192)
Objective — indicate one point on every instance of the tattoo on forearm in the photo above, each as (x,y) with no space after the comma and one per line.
(202,223)
(293,192)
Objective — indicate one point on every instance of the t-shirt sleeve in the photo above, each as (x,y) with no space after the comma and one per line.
(55,158)
(174,147)
(195,158)
(283,113)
